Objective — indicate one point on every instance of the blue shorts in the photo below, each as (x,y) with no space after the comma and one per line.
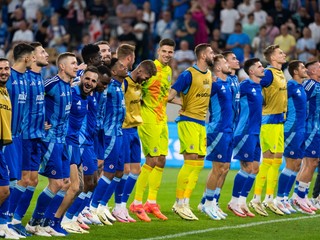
(13,155)
(113,161)
(131,151)
(294,145)
(74,154)
(219,147)
(89,160)
(247,148)
(31,154)
(312,145)
(4,171)
(99,144)
(55,160)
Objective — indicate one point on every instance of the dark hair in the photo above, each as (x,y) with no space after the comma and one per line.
(36,44)
(311,63)
(293,65)
(103,69)
(226,53)
(91,69)
(113,62)
(249,63)
(167,42)
(3,59)
(21,49)
(89,51)
(200,48)
(149,66)
(101,43)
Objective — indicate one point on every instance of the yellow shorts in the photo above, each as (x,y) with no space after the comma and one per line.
(272,138)
(192,138)
(154,138)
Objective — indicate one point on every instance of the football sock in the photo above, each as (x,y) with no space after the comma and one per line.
(24,203)
(193,178)
(99,191)
(142,182)
(262,175)
(155,179)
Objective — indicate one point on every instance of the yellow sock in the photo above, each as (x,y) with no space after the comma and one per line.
(183,177)
(142,182)
(262,175)
(273,175)
(154,182)
(193,178)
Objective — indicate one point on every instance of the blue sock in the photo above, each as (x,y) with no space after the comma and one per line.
(128,187)
(84,203)
(43,202)
(217,194)
(290,183)
(15,198)
(88,199)
(203,199)
(302,189)
(54,205)
(98,193)
(109,191)
(248,185)
(4,211)
(209,194)
(74,208)
(283,180)
(119,189)
(296,187)
(24,203)
(239,181)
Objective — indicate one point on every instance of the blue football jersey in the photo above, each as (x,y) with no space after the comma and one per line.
(235,89)
(312,89)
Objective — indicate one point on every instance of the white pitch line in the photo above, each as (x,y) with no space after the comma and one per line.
(229,227)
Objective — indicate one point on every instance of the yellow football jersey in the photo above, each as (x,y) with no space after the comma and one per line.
(5,117)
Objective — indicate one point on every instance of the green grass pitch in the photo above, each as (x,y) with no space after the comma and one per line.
(295,226)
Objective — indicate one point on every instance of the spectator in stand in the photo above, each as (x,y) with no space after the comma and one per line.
(251,28)
(220,43)
(306,47)
(126,12)
(75,17)
(47,10)
(280,14)
(3,34)
(228,17)
(41,35)
(199,15)
(186,29)
(24,34)
(237,42)
(14,21)
(184,56)
(244,9)
(165,27)
(315,28)
(272,31)
(259,44)
(302,18)
(31,7)
(99,9)
(286,42)
(209,6)
(141,31)
(180,8)
(260,16)
(127,36)
(148,15)
(58,37)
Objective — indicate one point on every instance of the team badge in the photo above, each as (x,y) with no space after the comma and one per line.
(291,153)
(191,147)
(155,150)
(85,168)
(246,155)
(53,172)
(313,152)
(111,166)
(219,156)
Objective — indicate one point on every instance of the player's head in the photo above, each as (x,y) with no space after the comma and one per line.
(254,68)
(232,60)
(296,69)
(104,78)
(221,65)
(67,64)
(4,71)
(313,69)
(204,52)
(105,51)
(125,53)
(41,57)
(91,56)
(273,53)
(145,70)
(166,50)
(89,79)
(22,52)
(118,69)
